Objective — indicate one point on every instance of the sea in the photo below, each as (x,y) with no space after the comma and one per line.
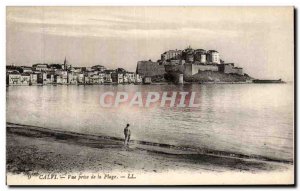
(247,119)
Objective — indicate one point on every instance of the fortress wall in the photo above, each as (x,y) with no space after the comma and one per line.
(239,71)
(230,69)
(192,69)
(149,68)
(175,68)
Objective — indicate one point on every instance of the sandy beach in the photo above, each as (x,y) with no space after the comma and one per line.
(33,150)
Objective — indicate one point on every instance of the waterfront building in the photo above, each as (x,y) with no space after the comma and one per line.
(33,78)
(13,78)
(107,77)
(42,78)
(80,78)
(72,79)
(94,79)
(117,77)
(63,76)
(50,78)
(130,77)
(101,77)
(138,78)
(86,79)
(125,78)
(57,79)
(120,78)
(147,80)
(64,80)
(25,79)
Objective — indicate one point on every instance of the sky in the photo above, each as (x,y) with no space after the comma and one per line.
(259,39)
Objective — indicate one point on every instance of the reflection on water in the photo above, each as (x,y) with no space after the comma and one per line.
(245,118)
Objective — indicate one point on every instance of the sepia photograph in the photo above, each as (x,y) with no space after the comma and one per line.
(143,95)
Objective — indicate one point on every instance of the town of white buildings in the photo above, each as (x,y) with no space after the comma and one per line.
(43,74)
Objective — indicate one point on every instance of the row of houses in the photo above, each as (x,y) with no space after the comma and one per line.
(43,74)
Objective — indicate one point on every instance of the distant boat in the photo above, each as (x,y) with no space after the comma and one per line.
(268,81)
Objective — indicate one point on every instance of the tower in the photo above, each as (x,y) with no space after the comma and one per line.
(65,64)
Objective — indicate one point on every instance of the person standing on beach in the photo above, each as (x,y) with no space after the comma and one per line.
(127,135)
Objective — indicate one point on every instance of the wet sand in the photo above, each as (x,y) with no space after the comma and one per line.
(33,150)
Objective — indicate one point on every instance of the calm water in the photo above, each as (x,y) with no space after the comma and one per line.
(243,118)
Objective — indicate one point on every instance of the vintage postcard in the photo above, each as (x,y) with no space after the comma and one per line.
(150,96)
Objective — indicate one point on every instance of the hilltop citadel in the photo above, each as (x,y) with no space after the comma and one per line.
(189,64)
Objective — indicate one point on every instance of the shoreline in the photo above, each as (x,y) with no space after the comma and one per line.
(154,83)
(32,149)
